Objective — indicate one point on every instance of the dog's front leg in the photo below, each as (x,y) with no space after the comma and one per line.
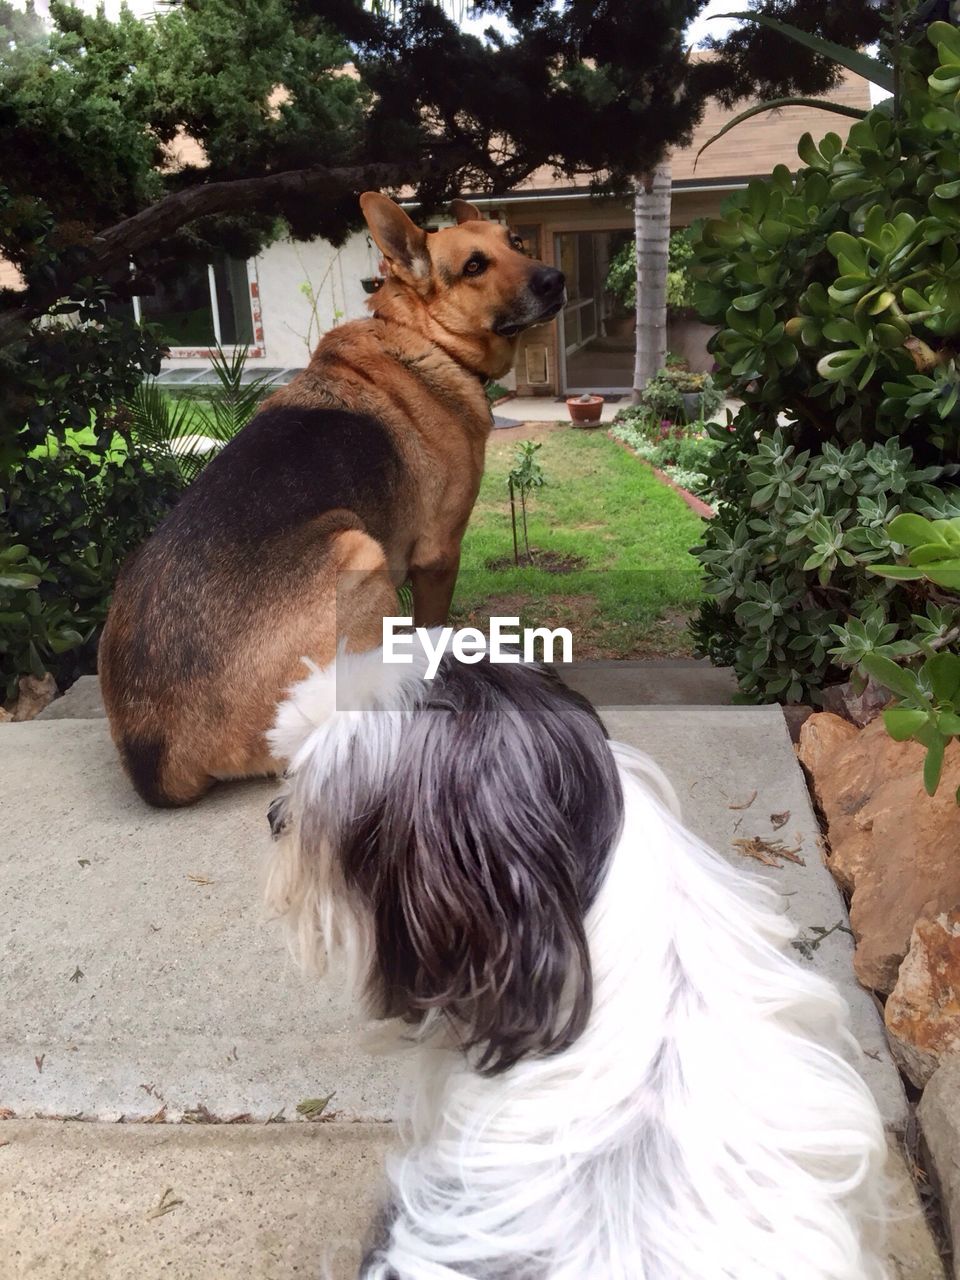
(433,586)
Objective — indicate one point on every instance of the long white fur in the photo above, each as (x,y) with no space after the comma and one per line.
(355,705)
(707,1125)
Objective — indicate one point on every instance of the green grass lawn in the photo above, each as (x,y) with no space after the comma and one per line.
(638,584)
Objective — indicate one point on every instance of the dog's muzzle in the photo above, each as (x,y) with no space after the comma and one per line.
(546,295)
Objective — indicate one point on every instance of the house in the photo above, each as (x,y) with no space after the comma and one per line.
(280,303)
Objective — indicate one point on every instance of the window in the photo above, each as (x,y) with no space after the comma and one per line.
(204,305)
(530,235)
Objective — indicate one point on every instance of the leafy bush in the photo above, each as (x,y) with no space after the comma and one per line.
(789,560)
(837,293)
(662,397)
(68,518)
(73,507)
(928,710)
(76,492)
(622,273)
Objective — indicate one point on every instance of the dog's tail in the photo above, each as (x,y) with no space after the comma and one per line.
(706,1125)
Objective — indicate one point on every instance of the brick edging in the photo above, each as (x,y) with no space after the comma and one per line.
(696,505)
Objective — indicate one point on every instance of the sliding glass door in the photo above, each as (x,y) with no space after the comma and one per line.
(597,325)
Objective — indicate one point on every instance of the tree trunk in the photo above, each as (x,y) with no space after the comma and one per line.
(651,216)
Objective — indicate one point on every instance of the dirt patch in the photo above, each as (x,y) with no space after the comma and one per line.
(547,561)
(669,636)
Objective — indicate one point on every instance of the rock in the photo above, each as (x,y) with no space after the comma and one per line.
(891,845)
(35,694)
(860,707)
(939,1113)
(796,716)
(821,736)
(923,1012)
(82,701)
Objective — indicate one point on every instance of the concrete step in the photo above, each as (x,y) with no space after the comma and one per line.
(138,981)
(654,682)
(666,681)
(82,701)
(267,1202)
(260,1202)
(136,967)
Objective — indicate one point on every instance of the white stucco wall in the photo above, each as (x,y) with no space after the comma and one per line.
(308,288)
(300,291)
(303,289)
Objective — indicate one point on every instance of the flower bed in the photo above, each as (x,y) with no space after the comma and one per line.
(677,453)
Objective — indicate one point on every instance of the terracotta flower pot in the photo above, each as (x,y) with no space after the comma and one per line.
(585,408)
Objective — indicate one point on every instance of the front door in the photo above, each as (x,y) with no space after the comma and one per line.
(597,325)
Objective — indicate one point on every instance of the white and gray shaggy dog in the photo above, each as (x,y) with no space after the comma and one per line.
(620,1073)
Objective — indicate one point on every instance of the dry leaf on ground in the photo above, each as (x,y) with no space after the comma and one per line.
(767,851)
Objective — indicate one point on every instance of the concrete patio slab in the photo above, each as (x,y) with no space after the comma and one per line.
(553,409)
(136,973)
(272,1202)
(664,682)
(134,966)
(545,409)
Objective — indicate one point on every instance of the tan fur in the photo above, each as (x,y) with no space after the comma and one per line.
(416,366)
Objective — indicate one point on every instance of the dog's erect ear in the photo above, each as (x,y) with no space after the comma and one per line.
(480,857)
(401,241)
(464,211)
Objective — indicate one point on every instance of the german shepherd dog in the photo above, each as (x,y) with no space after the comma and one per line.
(356,477)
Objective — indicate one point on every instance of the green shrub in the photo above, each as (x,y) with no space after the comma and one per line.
(69,516)
(75,491)
(928,706)
(662,397)
(622,273)
(837,295)
(683,453)
(496,391)
(75,505)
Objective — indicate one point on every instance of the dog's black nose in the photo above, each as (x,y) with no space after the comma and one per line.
(547,282)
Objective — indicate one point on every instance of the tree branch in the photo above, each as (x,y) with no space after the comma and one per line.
(119,243)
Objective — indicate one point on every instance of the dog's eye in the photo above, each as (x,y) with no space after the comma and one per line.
(516,242)
(476,264)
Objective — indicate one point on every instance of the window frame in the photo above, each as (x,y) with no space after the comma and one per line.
(256,350)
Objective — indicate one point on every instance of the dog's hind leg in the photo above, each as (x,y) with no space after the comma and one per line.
(155,777)
(365,591)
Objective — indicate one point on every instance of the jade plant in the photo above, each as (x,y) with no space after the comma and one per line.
(836,295)
(928,706)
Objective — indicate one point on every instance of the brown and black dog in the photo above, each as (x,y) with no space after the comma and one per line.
(358,475)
